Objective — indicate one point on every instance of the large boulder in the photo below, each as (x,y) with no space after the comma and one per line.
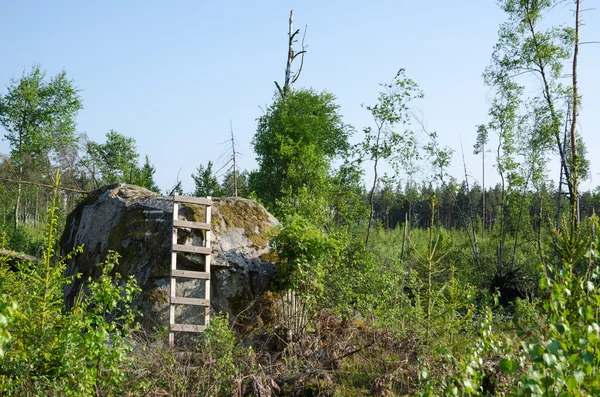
(137,224)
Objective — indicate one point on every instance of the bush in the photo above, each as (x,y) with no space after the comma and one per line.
(7,310)
(219,366)
(82,351)
(561,359)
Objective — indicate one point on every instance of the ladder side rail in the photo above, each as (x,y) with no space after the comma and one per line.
(207,244)
(173,288)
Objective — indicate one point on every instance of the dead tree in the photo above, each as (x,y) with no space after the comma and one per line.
(292,77)
(234,155)
(229,170)
(232,171)
(575,160)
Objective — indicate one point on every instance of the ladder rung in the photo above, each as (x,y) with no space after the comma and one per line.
(190,274)
(192,200)
(191,225)
(191,249)
(179,300)
(187,327)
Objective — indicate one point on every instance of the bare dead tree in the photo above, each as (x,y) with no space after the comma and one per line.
(479,147)
(177,185)
(235,186)
(471,231)
(292,77)
(229,168)
(562,175)
(574,158)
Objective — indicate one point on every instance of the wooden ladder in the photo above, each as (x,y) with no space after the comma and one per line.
(176,273)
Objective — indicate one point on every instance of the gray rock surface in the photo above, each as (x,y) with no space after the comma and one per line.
(136,223)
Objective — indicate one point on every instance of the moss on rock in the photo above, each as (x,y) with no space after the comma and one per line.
(247,215)
(192,212)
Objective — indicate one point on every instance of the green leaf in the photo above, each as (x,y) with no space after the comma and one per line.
(573,358)
(550,359)
(579,376)
(562,328)
(535,351)
(554,346)
(587,357)
(571,383)
(509,367)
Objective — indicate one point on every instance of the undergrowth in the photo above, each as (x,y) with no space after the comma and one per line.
(372,325)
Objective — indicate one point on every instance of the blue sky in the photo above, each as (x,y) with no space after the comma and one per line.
(173,75)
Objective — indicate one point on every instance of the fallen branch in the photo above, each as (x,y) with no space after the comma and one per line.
(19,256)
(66,189)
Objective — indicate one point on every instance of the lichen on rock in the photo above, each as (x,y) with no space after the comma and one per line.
(137,223)
(246,215)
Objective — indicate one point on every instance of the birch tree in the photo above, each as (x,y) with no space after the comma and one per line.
(38,115)
(390,139)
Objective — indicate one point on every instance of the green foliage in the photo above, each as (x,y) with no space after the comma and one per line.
(206,182)
(296,140)
(80,351)
(38,114)
(440,158)
(481,140)
(562,358)
(472,375)
(366,316)
(114,161)
(392,110)
(531,126)
(7,310)
(222,351)
(145,177)
(39,118)
(27,239)
(218,365)
(527,317)
(346,197)
(307,255)
(424,296)
(384,142)
(229,184)
(429,260)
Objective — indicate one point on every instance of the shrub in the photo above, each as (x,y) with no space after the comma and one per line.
(82,351)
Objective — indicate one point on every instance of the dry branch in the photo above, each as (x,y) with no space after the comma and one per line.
(66,189)
(19,256)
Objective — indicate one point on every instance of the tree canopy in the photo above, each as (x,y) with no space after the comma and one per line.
(38,116)
(206,182)
(296,141)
